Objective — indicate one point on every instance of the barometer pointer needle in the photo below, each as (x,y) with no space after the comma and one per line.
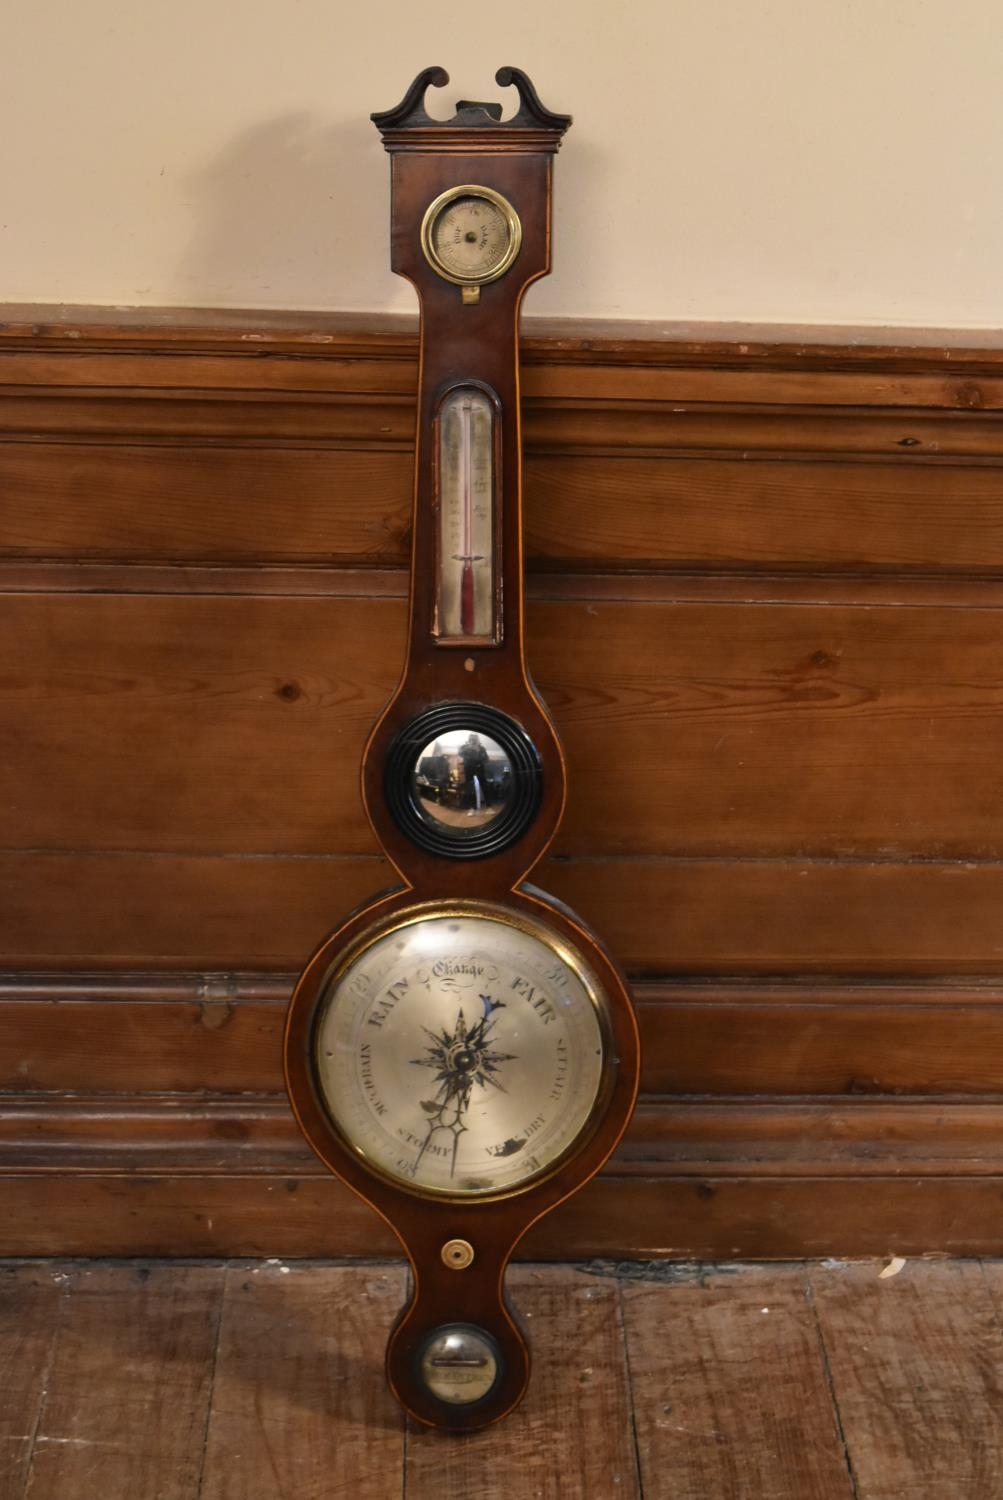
(461,1060)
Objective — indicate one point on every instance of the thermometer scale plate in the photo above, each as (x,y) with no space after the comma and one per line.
(466,607)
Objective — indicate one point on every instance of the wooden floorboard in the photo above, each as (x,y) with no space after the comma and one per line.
(915,1365)
(31,1299)
(731,1396)
(571,1438)
(651,1381)
(128,1385)
(299,1404)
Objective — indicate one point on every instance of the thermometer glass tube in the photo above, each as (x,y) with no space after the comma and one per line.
(466,605)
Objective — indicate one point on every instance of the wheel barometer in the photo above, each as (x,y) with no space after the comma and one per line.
(463,1051)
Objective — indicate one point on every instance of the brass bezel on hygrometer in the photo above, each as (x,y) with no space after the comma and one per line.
(435,215)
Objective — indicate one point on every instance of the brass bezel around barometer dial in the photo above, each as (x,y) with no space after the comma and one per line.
(470,234)
(462,1052)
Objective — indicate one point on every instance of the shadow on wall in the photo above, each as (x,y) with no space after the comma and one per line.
(293,214)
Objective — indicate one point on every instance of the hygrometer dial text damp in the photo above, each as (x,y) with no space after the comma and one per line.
(470,235)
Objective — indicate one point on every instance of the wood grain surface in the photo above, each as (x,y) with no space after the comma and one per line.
(299,1404)
(134,1354)
(180,724)
(132,1033)
(651,1382)
(573,1432)
(251,1135)
(914,1361)
(31,1300)
(791,917)
(765,577)
(737,1399)
(712,1212)
(201,501)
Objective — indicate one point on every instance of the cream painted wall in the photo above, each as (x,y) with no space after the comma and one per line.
(815,161)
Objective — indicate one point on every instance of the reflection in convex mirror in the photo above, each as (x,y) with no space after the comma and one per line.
(461,781)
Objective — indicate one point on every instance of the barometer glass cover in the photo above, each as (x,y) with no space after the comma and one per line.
(459,1364)
(462,1054)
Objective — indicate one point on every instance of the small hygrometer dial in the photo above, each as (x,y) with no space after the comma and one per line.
(471,235)
(462,1053)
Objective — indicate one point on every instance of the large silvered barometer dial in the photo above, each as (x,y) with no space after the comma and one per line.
(463,1053)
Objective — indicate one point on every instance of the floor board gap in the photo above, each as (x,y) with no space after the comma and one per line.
(831,1386)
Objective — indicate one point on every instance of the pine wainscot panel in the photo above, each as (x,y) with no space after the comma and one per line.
(765,579)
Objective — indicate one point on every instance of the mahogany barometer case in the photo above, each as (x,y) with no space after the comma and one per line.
(462,1051)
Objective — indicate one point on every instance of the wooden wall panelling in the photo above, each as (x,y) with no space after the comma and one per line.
(706,916)
(237,723)
(711,1217)
(129,1034)
(670,1138)
(690,501)
(765,587)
